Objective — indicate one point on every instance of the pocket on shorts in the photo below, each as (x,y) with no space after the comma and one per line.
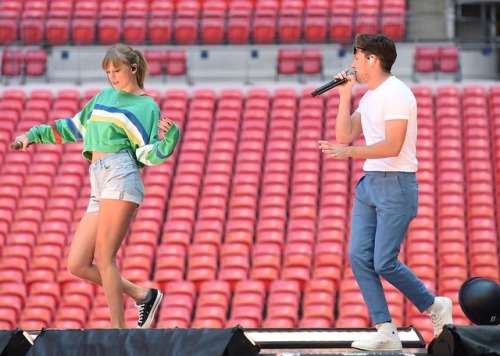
(126,182)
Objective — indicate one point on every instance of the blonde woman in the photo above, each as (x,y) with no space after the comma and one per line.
(119,130)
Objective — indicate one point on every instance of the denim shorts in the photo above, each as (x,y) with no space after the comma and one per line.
(115,176)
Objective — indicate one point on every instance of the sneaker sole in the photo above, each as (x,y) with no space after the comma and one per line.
(385,348)
(151,316)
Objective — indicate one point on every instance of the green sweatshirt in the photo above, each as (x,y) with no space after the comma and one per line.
(113,121)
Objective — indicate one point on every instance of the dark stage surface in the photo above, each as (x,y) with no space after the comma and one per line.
(200,342)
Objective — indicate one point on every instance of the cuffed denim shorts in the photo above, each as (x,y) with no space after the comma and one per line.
(115,176)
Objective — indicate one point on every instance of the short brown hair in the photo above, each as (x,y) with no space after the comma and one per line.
(380,45)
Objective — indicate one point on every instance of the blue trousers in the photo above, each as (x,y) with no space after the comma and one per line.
(384,205)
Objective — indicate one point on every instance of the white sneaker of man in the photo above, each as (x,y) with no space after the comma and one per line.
(386,339)
(440,313)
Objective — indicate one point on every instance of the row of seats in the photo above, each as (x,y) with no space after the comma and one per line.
(301,62)
(167,8)
(33,63)
(436,61)
(248,196)
(143,5)
(27,62)
(189,24)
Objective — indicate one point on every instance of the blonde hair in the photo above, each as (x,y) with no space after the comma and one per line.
(124,54)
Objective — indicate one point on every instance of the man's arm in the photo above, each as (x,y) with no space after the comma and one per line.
(395,133)
(347,128)
(347,125)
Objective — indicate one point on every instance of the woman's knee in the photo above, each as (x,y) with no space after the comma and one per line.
(103,261)
(75,268)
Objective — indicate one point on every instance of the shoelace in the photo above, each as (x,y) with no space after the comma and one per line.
(436,320)
(141,312)
(435,317)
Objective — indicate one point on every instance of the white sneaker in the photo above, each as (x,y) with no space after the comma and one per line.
(441,314)
(386,338)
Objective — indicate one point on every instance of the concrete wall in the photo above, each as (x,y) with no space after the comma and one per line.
(253,63)
(216,66)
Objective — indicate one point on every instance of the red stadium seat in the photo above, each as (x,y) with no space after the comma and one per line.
(425,60)
(449,61)
(366,23)
(216,287)
(316,21)
(35,318)
(13,269)
(246,315)
(83,31)
(208,231)
(312,63)
(264,26)
(86,9)
(239,22)
(32,30)
(135,28)
(10,309)
(176,63)
(60,8)
(341,26)
(109,30)
(289,24)
(393,26)
(174,317)
(159,30)
(213,23)
(289,62)
(12,61)
(8,30)
(281,317)
(201,269)
(111,8)
(35,61)
(57,29)
(159,26)
(186,23)
(156,61)
(233,269)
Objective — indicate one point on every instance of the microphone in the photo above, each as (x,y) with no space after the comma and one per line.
(16,146)
(330,85)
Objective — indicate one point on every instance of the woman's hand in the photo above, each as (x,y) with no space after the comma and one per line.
(165,124)
(20,143)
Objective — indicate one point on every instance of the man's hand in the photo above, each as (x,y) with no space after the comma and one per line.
(346,88)
(334,151)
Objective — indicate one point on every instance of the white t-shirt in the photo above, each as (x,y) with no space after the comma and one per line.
(391,100)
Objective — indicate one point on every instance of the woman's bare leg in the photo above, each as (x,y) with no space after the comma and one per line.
(113,222)
(81,257)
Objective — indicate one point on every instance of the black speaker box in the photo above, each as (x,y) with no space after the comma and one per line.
(467,341)
(150,342)
(13,343)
